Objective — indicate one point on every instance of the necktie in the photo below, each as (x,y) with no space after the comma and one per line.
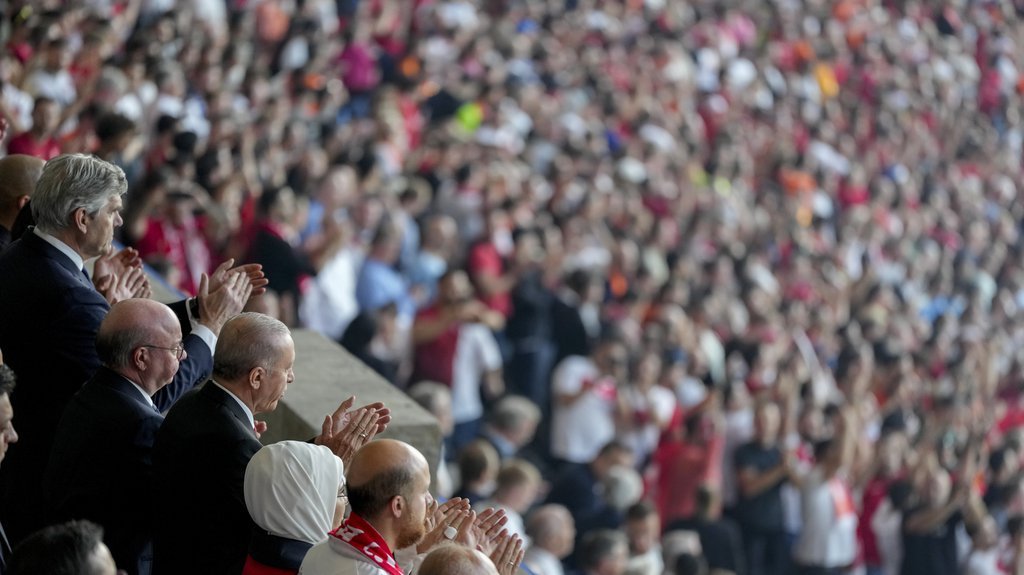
(85,274)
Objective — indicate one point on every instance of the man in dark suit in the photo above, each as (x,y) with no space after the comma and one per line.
(50,311)
(7,436)
(208,438)
(101,463)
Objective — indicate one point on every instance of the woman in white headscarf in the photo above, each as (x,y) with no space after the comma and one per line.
(293,493)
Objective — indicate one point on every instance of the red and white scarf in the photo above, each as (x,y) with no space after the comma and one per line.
(362,537)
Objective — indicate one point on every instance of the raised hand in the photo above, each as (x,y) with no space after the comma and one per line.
(115,288)
(115,263)
(487,528)
(356,432)
(441,532)
(508,553)
(217,306)
(254,272)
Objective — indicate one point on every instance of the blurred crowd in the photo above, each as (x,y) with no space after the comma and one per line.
(744,272)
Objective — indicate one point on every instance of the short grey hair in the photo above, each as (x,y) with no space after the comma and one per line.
(247,341)
(116,346)
(74,181)
(512,411)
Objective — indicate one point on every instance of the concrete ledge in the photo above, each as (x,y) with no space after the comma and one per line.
(326,374)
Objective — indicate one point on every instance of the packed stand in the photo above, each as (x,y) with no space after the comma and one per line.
(704,285)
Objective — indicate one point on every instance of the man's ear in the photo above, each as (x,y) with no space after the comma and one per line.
(81,220)
(22,200)
(397,505)
(139,357)
(256,377)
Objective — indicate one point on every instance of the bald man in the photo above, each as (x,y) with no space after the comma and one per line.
(457,560)
(388,492)
(101,467)
(18,176)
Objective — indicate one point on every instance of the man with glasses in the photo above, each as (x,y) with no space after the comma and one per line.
(100,466)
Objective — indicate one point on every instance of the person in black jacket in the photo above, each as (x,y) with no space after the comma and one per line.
(101,465)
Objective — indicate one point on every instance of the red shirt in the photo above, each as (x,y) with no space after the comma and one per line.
(25,143)
(484,259)
(874,494)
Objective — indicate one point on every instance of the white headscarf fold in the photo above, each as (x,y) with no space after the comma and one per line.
(291,488)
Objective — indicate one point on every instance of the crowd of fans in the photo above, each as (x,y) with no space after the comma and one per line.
(727,285)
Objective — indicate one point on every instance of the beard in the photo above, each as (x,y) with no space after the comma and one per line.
(410,534)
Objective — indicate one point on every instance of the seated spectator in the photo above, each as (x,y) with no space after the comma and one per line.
(362,336)
(643,529)
(511,425)
(515,491)
(603,552)
(294,494)
(479,465)
(437,400)
(74,548)
(552,534)
(577,486)
(719,536)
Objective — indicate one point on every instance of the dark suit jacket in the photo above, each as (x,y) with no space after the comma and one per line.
(49,315)
(200,456)
(101,467)
(568,331)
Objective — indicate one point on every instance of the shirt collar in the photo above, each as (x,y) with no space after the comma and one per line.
(142,392)
(62,247)
(245,408)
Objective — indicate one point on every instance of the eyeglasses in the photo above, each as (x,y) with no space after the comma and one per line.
(178,350)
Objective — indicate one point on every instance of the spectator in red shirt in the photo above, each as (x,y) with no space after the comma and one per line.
(40,141)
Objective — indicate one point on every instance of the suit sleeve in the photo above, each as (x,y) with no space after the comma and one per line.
(75,341)
(195,369)
(180,309)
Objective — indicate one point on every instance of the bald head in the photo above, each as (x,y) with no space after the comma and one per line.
(137,339)
(379,471)
(457,560)
(18,176)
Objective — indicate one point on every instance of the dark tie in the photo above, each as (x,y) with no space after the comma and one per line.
(85,274)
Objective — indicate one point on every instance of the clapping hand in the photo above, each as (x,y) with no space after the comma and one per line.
(508,553)
(223,301)
(254,272)
(344,432)
(119,276)
(445,523)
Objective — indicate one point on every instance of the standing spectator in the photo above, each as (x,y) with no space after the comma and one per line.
(52,80)
(479,465)
(453,346)
(431,263)
(74,548)
(763,468)
(101,463)
(52,345)
(379,282)
(529,330)
(828,539)
(18,176)
(587,401)
(274,247)
(206,441)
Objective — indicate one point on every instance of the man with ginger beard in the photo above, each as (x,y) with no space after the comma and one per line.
(389,494)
